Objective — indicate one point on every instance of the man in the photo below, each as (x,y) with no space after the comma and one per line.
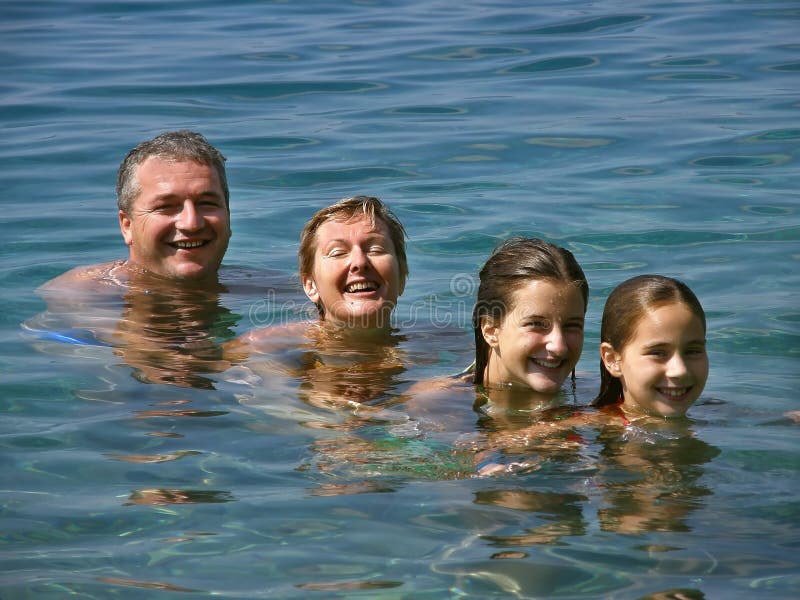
(160,308)
(172,195)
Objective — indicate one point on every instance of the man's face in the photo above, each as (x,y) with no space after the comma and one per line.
(179,225)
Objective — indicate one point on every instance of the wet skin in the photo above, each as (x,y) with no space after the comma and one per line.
(356,275)
(539,341)
(178,226)
(664,366)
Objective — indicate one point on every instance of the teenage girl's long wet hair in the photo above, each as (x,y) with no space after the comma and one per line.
(513,264)
(626,305)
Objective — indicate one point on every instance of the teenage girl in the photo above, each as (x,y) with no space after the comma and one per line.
(528,326)
(653,348)
(528,318)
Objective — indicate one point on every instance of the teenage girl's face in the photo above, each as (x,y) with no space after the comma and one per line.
(664,367)
(539,341)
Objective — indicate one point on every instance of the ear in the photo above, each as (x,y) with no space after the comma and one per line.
(310,288)
(489,330)
(611,359)
(125,226)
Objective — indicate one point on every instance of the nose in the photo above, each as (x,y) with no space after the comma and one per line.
(189,219)
(359,261)
(676,366)
(556,343)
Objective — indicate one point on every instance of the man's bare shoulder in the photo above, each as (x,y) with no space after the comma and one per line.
(90,278)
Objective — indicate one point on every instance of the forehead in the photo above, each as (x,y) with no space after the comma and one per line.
(669,321)
(545,297)
(156,170)
(356,227)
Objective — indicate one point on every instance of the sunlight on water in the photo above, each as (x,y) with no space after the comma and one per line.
(139,457)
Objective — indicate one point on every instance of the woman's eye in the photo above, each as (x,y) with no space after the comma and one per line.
(377,250)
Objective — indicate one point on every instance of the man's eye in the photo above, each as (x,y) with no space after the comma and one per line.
(538,324)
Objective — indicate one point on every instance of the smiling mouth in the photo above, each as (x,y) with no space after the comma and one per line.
(360,286)
(547,364)
(188,245)
(680,393)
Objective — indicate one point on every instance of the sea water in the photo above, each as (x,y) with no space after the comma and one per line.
(648,137)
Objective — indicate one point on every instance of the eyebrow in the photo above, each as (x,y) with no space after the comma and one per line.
(203,194)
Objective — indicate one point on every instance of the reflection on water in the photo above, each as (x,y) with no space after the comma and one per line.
(561,515)
(173,335)
(662,139)
(328,369)
(159,496)
(651,482)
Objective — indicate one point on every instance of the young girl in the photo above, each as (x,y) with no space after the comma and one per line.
(653,347)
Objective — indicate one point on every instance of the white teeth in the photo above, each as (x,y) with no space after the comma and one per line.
(549,364)
(361,286)
(674,392)
(188,244)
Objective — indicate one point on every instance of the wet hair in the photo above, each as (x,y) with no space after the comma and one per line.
(343,211)
(626,305)
(170,146)
(513,264)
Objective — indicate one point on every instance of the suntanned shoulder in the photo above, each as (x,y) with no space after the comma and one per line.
(91,278)
(265,340)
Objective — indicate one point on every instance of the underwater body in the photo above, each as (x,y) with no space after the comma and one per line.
(655,138)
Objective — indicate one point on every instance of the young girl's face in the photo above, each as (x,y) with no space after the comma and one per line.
(539,341)
(664,366)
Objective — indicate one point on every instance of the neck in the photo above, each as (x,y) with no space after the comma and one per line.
(140,277)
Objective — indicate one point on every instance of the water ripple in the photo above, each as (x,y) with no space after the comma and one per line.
(472,53)
(589,25)
(742,161)
(337,176)
(239,91)
(568,142)
(547,65)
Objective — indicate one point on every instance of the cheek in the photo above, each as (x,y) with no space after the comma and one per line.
(389,269)
(575,341)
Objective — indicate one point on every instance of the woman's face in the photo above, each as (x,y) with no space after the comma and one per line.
(356,276)
(539,341)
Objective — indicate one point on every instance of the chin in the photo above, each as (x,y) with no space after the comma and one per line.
(194,272)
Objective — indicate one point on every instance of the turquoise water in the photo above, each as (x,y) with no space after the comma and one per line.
(654,137)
